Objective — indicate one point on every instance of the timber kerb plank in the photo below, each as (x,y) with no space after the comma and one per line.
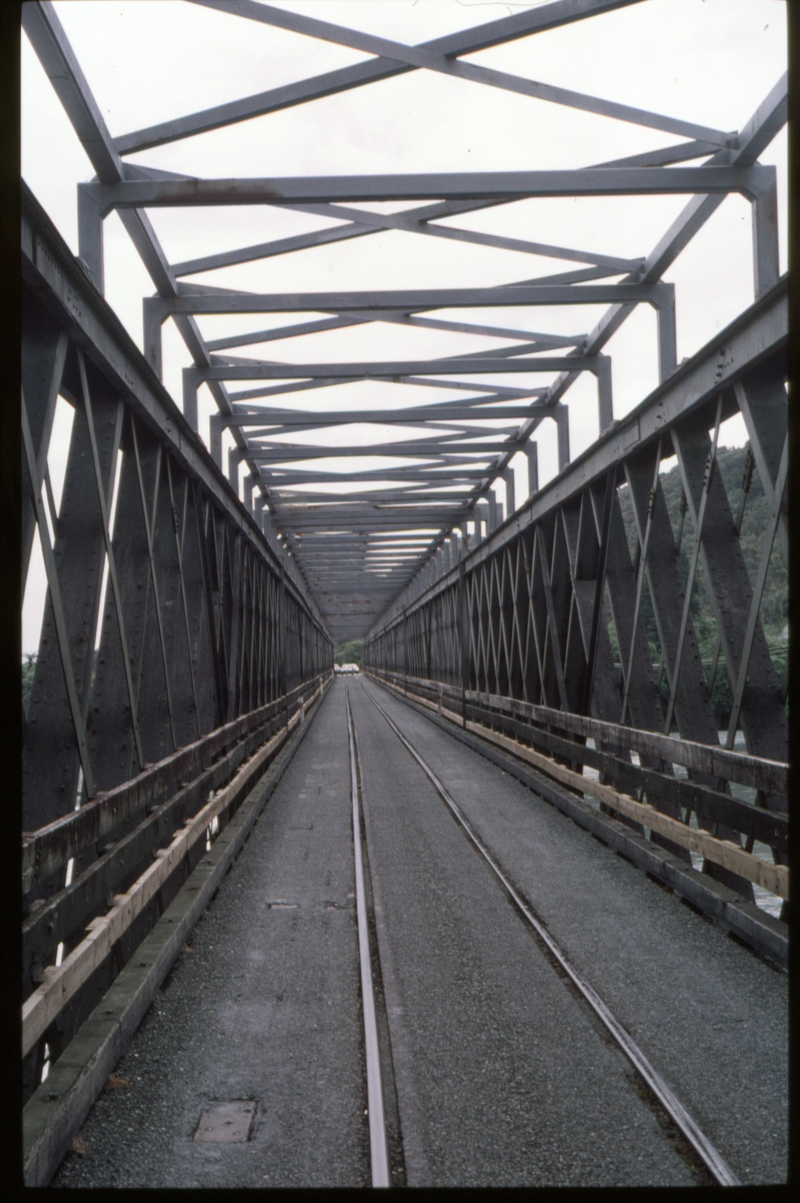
(721,849)
(119,866)
(770,827)
(761,931)
(50,847)
(105,932)
(753,771)
(76,1079)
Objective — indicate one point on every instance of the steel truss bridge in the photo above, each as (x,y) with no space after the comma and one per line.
(196,585)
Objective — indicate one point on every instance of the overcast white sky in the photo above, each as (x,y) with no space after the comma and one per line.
(707,61)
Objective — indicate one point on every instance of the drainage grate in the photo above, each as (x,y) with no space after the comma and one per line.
(227,1122)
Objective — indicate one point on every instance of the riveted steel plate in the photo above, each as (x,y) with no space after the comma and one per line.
(227,1123)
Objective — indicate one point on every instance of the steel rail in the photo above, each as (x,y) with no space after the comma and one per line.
(709,1155)
(378,1150)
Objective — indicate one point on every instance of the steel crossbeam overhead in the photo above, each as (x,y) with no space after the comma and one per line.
(450,65)
(394,495)
(367,223)
(462,427)
(597,181)
(424,474)
(381,371)
(547,341)
(465,448)
(443,298)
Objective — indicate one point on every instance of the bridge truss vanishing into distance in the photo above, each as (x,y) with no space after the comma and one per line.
(196,585)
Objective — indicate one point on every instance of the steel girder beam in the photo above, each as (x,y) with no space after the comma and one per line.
(395,497)
(757,339)
(58,60)
(448,64)
(546,341)
(755,136)
(403,417)
(380,371)
(429,298)
(758,132)
(53,274)
(592,181)
(446,452)
(534,591)
(763,716)
(737,156)
(50,739)
(361,224)
(172,614)
(522,609)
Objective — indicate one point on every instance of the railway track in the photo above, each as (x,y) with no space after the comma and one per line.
(394,1018)
(378,1144)
(698,1150)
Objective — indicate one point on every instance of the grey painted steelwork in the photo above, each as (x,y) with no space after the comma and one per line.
(189,587)
(496,185)
(732,165)
(537,610)
(168,614)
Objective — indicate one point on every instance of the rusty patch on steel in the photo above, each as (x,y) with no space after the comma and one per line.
(227,1123)
(115,1082)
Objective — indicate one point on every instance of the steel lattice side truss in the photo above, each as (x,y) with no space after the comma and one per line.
(549,610)
(166,620)
(431,497)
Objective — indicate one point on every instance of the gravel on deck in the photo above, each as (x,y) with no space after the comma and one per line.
(710,1015)
(263,1005)
(503,1075)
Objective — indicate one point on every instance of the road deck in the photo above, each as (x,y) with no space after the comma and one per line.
(503,1076)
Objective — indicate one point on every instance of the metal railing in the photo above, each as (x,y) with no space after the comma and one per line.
(539,612)
(178,647)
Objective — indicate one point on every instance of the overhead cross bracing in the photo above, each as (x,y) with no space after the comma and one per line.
(414,417)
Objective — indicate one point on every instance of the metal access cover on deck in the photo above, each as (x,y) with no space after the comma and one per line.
(227,1122)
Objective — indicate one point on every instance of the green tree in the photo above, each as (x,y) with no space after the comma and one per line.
(28,669)
(349,651)
(732,465)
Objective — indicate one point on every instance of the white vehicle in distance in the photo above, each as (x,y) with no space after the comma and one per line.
(346,668)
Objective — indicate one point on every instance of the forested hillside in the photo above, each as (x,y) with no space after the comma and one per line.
(774,607)
(349,651)
(731,464)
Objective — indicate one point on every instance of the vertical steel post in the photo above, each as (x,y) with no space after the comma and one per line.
(90,236)
(605,403)
(561,416)
(215,438)
(508,480)
(152,317)
(532,453)
(766,262)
